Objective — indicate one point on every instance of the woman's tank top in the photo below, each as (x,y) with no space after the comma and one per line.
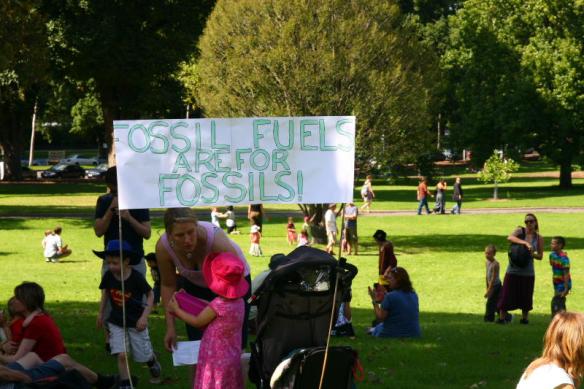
(196,276)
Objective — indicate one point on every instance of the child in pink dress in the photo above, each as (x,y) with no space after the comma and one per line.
(291,229)
(219,365)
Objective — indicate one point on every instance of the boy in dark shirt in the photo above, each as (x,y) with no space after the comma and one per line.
(136,314)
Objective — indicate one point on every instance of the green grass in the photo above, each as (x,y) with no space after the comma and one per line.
(79,198)
(442,253)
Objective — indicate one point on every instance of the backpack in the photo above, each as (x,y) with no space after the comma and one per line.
(519,255)
(364,190)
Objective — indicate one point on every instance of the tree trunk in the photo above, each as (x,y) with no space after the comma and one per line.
(13,116)
(566,174)
(496,191)
(110,113)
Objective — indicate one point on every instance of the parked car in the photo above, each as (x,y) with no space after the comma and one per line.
(97,172)
(78,159)
(63,170)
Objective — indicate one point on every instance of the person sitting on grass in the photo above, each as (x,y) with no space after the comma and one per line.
(12,327)
(30,369)
(40,333)
(561,364)
(560,274)
(136,315)
(493,283)
(399,310)
(54,248)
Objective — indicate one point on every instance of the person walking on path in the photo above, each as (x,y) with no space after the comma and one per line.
(457,196)
(440,206)
(422,196)
(367,193)
(517,292)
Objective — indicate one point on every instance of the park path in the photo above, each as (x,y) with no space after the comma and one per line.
(203,214)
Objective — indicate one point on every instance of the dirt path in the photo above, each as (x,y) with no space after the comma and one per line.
(204,214)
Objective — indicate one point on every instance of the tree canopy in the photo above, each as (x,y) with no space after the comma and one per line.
(332,57)
(128,50)
(516,77)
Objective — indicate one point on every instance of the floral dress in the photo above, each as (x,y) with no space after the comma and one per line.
(219,364)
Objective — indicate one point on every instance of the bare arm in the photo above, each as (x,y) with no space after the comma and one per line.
(101,224)
(102,302)
(380,313)
(142,322)
(514,238)
(26,346)
(167,289)
(201,320)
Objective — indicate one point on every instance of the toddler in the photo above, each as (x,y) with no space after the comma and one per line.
(136,315)
(291,229)
(493,283)
(155,274)
(12,327)
(303,238)
(255,236)
(560,274)
(230,221)
(219,364)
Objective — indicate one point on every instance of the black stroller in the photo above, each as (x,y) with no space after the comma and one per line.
(294,307)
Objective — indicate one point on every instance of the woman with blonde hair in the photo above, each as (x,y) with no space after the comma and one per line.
(561,364)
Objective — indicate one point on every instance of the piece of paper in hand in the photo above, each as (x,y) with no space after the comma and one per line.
(186,353)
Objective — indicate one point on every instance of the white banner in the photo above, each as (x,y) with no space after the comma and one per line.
(205,162)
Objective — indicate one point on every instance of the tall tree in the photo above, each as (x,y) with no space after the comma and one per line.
(332,57)
(130,51)
(517,77)
(23,69)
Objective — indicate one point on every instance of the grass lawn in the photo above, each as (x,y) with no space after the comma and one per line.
(442,253)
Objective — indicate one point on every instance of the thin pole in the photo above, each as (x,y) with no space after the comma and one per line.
(31,150)
(120,237)
(328,338)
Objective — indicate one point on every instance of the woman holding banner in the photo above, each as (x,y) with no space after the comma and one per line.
(182,249)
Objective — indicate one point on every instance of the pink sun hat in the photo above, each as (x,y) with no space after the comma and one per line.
(224,274)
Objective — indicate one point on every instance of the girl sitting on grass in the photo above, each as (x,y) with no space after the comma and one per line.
(561,364)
